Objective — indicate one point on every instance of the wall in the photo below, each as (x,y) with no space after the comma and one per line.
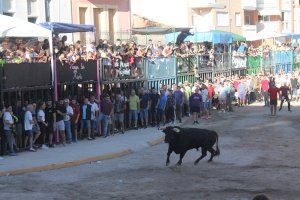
(97,13)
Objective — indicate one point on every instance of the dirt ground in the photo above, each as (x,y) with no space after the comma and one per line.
(259,154)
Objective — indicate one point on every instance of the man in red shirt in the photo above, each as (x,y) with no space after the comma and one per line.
(273,92)
(264,90)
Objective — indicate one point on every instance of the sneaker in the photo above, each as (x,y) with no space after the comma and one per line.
(51,146)
(13,154)
(32,150)
(89,138)
(44,147)
(122,132)
(35,146)
(136,128)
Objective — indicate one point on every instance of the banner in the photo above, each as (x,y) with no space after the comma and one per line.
(239,62)
(161,68)
(79,72)
(26,75)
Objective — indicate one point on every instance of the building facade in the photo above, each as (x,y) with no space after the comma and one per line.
(38,11)
(244,17)
(110,17)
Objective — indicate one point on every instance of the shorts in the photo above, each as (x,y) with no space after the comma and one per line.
(49,128)
(205,105)
(28,133)
(119,117)
(86,123)
(242,97)
(273,102)
(195,109)
(133,115)
(144,113)
(59,126)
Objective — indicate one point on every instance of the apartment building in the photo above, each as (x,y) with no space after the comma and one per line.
(110,17)
(244,17)
(38,11)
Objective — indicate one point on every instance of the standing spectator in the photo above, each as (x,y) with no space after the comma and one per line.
(85,115)
(41,118)
(187,94)
(204,95)
(273,93)
(67,120)
(20,115)
(144,107)
(264,89)
(94,116)
(154,97)
(179,98)
(106,114)
(195,103)
(170,107)
(285,92)
(294,87)
(75,119)
(60,111)
(28,126)
(36,131)
(242,91)
(119,109)
(7,127)
(134,104)
(50,120)
(161,108)
(210,96)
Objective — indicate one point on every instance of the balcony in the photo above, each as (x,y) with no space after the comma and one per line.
(249,4)
(205,4)
(249,30)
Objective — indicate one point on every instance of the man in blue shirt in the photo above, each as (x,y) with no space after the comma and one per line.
(161,107)
(179,98)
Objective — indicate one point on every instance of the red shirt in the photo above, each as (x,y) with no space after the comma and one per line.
(76,112)
(210,90)
(264,85)
(273,93)
(236,85)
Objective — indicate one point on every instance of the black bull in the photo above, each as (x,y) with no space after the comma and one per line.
(181,140)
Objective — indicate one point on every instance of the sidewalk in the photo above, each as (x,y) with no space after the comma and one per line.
(82,152)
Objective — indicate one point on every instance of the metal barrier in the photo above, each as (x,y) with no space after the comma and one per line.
(115,70)
(160,68)
(157,84)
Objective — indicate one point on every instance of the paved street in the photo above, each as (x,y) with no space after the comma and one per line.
(259,154)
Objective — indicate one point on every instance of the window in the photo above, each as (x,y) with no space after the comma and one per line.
(222,19)
(238,21)
(247,20)
(266,18)
(32,7)
(8,5)
(47,10)
(32,19)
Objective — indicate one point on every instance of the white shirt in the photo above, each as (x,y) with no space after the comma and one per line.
(204,94)
(41,116)
(69,112)
(7,117)
(27,119)
(94,109)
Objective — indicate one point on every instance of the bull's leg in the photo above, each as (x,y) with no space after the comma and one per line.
(204,153)
(168,156)
(181,157)
(212,154)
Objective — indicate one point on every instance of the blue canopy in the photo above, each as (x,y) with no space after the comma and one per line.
(215,37)
(57,27)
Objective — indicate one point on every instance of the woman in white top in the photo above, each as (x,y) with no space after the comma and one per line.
(28,124)
(42,122)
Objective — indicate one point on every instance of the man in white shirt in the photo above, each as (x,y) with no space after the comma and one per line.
(94,116)
(28,124)
(67,119)
(8,123)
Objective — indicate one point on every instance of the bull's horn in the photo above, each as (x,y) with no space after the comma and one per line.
(177,130)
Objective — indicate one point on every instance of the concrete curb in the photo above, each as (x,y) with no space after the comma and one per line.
(67,164)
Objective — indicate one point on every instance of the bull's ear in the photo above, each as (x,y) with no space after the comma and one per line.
(175,129)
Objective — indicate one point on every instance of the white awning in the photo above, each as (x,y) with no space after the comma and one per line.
(14,27)
(264,35)
(269,11)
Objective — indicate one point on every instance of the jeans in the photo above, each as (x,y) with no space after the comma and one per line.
(68,130)
(10,139)
(105,119)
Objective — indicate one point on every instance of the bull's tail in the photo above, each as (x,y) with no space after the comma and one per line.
(217,145)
